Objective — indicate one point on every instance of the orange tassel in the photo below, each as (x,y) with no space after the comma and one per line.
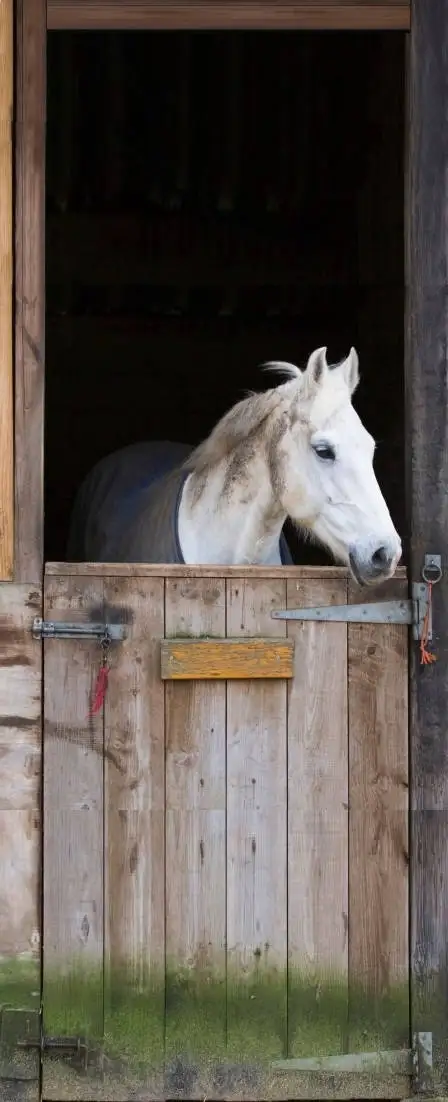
(425,655)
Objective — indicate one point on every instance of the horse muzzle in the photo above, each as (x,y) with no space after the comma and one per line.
(375,564)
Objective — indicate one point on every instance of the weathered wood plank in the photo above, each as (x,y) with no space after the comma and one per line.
(378,798)
(20,699)
(195,854)
(154,570)
(426,383)
(20,827)
(236,14)
(318,859)
(6,285)
(223,659)
(256,851)
(73,834)
(134,843)
(30,287)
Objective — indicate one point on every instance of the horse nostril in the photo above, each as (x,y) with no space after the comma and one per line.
(381,558)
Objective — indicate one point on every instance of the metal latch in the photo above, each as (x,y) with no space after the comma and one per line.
(23,1044)
(414,611)
(416,1062)
(81,1054)
(61,629)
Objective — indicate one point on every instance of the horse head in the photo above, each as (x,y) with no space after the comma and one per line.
(322,461)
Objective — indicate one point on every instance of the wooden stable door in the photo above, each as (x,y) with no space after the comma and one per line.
(225,855)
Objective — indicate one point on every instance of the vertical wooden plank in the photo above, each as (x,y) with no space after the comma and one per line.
(73,834)
(195,853)
(30,286)
(378,796)
(317,827)
(426,385)
(20,828)
(6,283)
(256,850)
(134,1023)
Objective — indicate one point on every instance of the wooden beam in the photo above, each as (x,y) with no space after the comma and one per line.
(163,570)
(229,14)
(6,267)
(30,287)
(427,451)
(225,659)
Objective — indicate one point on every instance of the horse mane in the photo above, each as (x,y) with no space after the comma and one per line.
(243,420)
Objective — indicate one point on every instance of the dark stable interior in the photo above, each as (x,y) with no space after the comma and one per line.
(215,200)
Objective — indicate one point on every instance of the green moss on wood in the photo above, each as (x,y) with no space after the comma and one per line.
(20,983)
(211,1020)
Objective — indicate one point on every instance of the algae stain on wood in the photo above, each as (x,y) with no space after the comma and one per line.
(256,841)
(195,833)
(194,1009)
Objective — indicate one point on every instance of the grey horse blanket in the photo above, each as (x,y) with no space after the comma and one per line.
(126,510)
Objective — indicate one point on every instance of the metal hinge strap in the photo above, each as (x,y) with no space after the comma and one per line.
(415,612)
(379,612)
(416,1062)
(60,629)
(411,612)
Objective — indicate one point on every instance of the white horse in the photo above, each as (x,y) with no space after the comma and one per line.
(298,450)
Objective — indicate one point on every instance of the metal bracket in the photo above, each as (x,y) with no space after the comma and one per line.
(60,629)
(411,612)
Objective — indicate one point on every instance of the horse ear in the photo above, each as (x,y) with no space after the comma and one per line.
(351,370)
(316,368)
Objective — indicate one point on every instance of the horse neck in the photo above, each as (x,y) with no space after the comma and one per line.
(230,521)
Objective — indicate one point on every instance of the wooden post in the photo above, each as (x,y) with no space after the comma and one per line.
(427,450)
(30,286)
(6,216)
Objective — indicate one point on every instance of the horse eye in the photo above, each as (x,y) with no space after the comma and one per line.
(325,451)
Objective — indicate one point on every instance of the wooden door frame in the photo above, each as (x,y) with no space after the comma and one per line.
(426,385)
(229,14)
(30,112)
(426,327)
(6,303)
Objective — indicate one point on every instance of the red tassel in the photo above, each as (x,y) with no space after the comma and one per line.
(100,690)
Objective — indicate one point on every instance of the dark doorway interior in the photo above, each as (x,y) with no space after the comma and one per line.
(215,200)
